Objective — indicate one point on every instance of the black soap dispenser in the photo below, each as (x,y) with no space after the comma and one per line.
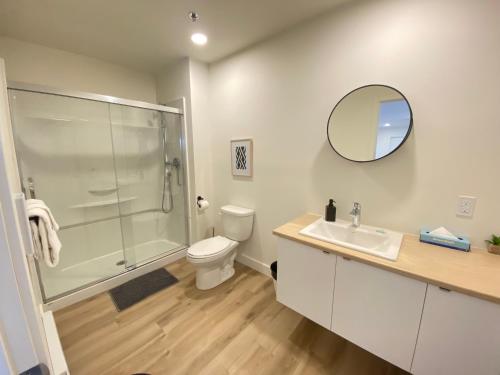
(330,211)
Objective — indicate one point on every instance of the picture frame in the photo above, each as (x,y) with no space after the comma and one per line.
(242,157)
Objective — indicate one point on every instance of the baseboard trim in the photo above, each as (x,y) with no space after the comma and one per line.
(255,264)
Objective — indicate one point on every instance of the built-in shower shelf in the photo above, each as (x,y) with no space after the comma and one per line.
(108,202)
(104,191)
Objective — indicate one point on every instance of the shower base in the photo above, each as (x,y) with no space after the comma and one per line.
(82,274)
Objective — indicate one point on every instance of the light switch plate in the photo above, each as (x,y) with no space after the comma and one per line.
(466,205)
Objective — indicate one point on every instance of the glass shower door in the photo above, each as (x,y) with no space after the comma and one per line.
(64,151)
(150,181)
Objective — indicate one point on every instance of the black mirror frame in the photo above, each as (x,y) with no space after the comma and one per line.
(410,126)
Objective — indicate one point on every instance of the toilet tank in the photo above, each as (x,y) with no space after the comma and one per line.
(237,222)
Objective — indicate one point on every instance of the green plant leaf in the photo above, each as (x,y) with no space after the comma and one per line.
(495,240)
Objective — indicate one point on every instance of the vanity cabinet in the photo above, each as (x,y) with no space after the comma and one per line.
(459,335)
(306,279)
(419,327)
(378,310)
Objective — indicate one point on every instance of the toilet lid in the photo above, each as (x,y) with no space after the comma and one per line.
(210,246)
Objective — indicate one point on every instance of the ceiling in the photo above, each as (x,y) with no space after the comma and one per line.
(148,34)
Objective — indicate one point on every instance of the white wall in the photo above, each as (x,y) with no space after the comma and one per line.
(189,79)
(443,55)
(173,83)
(202,142)
(32,63)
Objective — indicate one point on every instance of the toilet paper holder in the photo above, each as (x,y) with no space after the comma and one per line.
(199,200)
(202,203)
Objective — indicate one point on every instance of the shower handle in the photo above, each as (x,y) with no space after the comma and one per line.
(176,163)
(31,188)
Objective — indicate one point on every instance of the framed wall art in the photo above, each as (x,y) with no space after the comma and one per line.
(242,157)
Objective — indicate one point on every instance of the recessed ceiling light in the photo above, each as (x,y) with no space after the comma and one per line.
(199,39)
(387,124)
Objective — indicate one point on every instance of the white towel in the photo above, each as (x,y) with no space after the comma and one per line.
(35,235)
(38,203)
(43,229)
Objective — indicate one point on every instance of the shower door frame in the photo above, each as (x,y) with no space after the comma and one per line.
(107,283)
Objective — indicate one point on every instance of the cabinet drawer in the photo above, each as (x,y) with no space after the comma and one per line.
(459,335)
(306,280)
(378,310)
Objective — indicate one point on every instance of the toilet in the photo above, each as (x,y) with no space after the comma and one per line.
(214,257)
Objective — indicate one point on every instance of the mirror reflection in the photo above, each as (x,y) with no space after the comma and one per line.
(369,123)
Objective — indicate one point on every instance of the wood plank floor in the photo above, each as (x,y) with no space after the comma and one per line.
(236,328)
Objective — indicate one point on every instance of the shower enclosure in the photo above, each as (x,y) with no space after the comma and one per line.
(112,172)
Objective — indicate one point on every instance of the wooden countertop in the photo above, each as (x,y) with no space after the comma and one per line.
(476,273)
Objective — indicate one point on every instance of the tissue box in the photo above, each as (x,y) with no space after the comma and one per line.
(461,243)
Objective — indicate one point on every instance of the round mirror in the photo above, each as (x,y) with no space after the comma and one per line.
(369,123)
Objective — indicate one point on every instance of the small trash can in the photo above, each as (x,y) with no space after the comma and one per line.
(274,273)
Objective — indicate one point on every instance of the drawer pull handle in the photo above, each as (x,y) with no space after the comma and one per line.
(346,258)
(326,252)
(444,289)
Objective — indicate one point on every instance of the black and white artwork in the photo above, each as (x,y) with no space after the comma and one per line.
(241,157)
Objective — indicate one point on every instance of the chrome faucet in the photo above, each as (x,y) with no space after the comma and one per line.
(356,214)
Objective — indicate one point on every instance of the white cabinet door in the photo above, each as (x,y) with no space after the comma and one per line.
(459,335)
(305,280)
(378,310)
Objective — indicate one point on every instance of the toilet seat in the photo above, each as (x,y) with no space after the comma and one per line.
(211,248)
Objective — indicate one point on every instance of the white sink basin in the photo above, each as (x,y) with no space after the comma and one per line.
(376,241)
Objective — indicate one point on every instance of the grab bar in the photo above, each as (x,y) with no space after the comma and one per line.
(109,218)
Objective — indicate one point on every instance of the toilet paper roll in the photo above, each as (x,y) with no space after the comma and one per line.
(203,204)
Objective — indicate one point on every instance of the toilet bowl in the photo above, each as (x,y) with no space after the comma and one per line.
(214,257)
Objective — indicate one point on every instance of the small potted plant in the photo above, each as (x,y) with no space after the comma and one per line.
(494,244)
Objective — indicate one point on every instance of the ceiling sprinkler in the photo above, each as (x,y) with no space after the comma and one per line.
(193,16)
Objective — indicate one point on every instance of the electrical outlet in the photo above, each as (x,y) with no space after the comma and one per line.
(466,205)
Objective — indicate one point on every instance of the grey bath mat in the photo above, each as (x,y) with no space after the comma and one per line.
(136,290)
